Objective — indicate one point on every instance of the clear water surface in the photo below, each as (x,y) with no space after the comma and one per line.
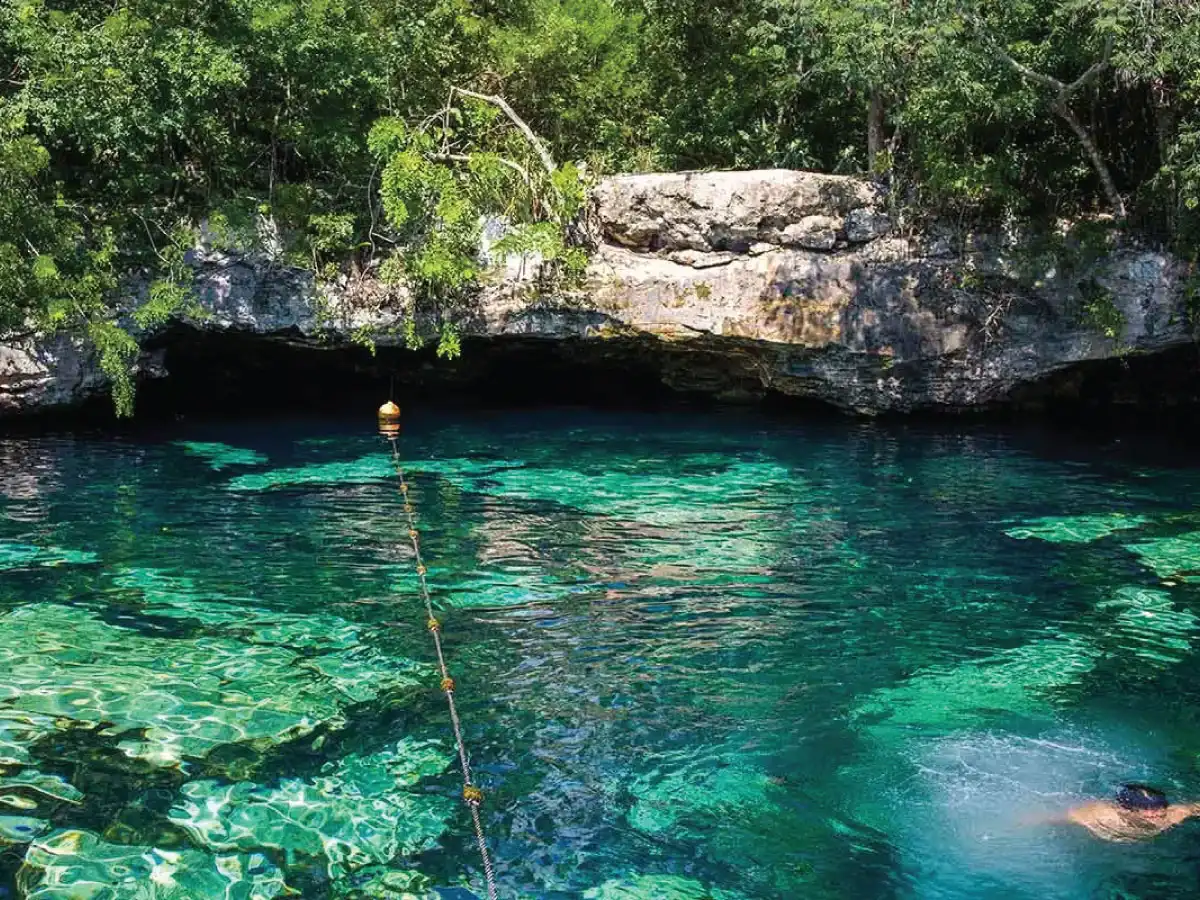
(697,658)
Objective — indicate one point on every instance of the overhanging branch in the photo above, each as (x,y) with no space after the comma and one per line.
(534,141)
(1061,104)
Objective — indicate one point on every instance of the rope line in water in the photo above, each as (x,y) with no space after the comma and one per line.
(472,795)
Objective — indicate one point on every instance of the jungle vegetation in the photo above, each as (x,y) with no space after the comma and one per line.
(357,136)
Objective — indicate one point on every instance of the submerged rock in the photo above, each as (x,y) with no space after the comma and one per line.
(1150,626)
(178,597)
(656,887)
(1022,680)
(500,587)
(1076,529)
(693,794)
(20,829)
(369,469)
(18,732)
(1171,557)
(71,865)
(366,470)
(380,883)
(358,814)
(24,556)
(28,789)
(174,699)
(222,456)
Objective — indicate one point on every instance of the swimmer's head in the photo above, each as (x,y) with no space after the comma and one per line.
(1141,799)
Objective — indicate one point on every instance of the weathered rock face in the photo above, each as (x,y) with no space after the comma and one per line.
(38,373)
(740,284)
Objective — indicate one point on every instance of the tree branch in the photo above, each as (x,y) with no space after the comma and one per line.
(1061,104)
(535,142)
(1023,70)
(464,158)
(1093,71)
(1089,147)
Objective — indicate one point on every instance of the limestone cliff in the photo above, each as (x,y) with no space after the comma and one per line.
(740,284)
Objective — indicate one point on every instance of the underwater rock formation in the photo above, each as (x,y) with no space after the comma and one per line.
(71,864)
(170,700)
(656,887)
(732,284)
(359,814)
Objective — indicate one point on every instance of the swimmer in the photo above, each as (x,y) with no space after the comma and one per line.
(1137,813)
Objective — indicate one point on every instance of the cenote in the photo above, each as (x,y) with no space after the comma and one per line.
(715,656)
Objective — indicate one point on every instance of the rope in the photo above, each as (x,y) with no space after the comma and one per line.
(472,795)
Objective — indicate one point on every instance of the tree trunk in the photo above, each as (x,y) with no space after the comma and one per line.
(1098,163)
(1164,117)
(875,141)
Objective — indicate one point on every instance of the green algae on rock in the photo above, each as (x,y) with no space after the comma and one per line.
(73,865)
(222,456)
(1076,529)
(1173,557)
(355,815)
(25,556)
(171,699)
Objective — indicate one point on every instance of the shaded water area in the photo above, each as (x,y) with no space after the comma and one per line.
(697,657)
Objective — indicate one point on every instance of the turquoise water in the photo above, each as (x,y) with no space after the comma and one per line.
(697,658)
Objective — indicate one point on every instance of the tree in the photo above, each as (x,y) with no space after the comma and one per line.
(473,160)
(1062,94)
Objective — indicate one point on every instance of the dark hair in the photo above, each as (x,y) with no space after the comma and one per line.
(1139,796)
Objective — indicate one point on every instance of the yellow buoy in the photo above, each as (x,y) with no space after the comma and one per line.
(389,419)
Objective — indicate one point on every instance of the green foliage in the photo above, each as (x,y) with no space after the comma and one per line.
(442,179)
(364,336)
(118,351)
(577,67)
(1100,313)
(1191,299)
(449,345)
(332,135)
(171,292)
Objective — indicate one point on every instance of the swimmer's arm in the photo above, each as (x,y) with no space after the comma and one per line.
(1036,819)
(1182,811)
(1080,815)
